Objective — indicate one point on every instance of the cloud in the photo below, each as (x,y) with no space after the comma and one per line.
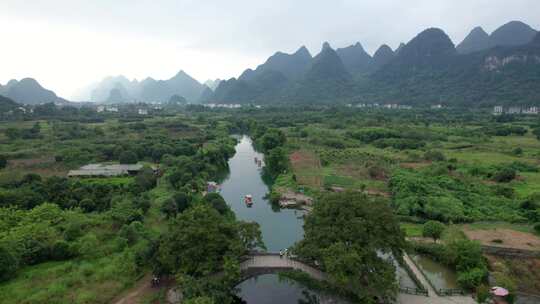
(67,44)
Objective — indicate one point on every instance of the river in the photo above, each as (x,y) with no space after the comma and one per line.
(280,228)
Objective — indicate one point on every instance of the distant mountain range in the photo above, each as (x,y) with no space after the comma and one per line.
(503,67)
(119,89)
(7,104)
(29,91)
(212,84)
(484,69)
(512,33)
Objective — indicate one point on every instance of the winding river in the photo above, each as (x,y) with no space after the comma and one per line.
(280,228)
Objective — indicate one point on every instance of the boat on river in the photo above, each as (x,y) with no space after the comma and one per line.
(248,199)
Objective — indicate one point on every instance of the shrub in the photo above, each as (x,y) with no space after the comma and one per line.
(8,264)
(128,157)
(334,143)
(143,203)
(537,227)
(73,231)
(146,179)
(398,143)
(472,278)
(218,202)
(88,246)
(376,172)
(433,229)
(505,175)
(505,191)
(517,151)
(434,156)
(131,232)
(3,161)
(61,251)
(482,293)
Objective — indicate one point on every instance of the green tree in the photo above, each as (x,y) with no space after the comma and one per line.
(3,161)
(433,229)
(146,179)
(347,233)
(537,228)
(276,161)
(128,157)
(13,133)
(123,211)
(8,264)
(272,139)
(505,175)
(218,202)
(198,240)
(88,246)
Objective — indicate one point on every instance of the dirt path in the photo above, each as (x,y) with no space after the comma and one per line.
(135,295)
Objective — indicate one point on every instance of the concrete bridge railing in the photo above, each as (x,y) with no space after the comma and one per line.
(265,263)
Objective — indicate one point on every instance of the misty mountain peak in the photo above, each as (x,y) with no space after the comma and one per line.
(398,49)
(30,82)
(512,33)
(303,52)
(29,91)
(479,31)
(355,58)
(327,65)
(12,82)
(477,40)
(326,46)
(383,50)
(383,55)
(429,43)
(181,74)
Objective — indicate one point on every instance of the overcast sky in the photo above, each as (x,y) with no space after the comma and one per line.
(68,44)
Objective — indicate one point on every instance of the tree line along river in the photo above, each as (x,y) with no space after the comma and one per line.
(281,228)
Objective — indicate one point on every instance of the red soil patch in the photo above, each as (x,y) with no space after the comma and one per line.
(304,159)
(510,238)
(306,167)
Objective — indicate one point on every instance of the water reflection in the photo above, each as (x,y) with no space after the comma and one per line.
(441,276)
(280,228)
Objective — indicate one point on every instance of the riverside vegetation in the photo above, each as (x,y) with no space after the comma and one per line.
(450,168)
(87,240)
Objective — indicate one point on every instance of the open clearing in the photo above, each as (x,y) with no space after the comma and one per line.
(510,238)
(307,167)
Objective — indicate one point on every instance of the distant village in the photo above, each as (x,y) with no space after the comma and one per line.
(393,106)
(144,109)
(530,110)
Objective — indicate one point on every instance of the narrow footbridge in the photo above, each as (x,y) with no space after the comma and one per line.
(266,263)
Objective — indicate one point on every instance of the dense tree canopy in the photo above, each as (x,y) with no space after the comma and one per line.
(128,157)
(348,234)
(199,240)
